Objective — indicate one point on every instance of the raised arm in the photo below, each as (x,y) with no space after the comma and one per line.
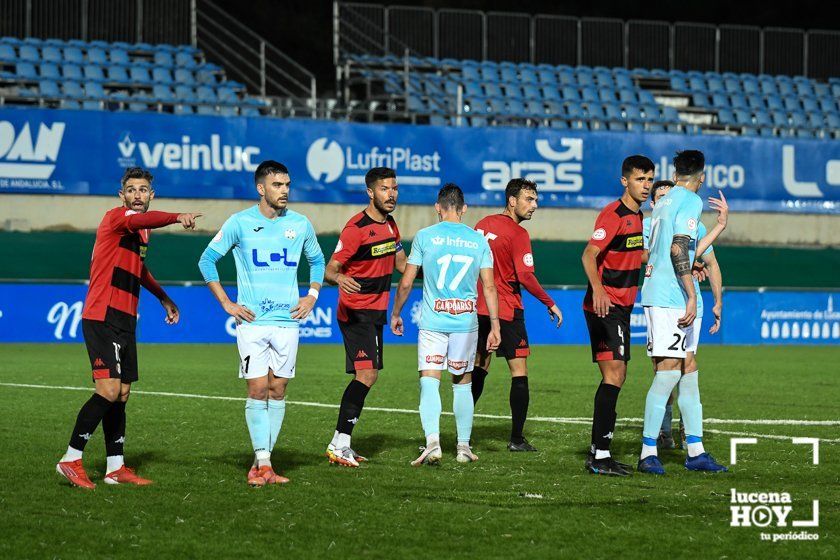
(132,221)
(722,208)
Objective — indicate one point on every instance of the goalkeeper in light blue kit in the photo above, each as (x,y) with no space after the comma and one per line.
(669,298)
(267,241)
(454,257)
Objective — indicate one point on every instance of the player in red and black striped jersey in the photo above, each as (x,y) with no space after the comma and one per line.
(368,251)
(612,261)
(513,268)
(108,323)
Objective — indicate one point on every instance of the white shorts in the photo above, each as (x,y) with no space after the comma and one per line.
(665,339)
(440,351)
(264,347)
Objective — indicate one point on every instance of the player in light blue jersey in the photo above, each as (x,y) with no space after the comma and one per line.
(268,241)
(454,257)
(704,266)
(669,298)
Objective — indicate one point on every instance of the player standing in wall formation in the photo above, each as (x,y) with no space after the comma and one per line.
(612,261)
(453,257)
(705,265)
(513,268)
(267,242)
(669,298)
(368,250)
(109,321)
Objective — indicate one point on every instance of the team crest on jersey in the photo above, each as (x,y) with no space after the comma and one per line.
(339,246)
(692,224)
(290,234)
(218,237)
(528,259)
(635,241)
(599,234)
(383,249)
(454,306)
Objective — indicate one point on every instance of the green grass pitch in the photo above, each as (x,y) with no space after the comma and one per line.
(539,505)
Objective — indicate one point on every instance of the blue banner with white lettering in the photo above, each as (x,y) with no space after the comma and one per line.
(53,312)
(84,152)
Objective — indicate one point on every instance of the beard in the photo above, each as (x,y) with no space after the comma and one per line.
(381,206)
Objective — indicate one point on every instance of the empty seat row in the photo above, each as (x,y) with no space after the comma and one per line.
(76,55)
(207,74)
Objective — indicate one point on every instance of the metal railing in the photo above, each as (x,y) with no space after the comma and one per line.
(361,28)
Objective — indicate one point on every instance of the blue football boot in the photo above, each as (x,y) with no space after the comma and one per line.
(650,465)
(704,462)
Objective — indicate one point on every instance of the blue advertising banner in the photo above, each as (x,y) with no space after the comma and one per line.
(53,312)
(84,152)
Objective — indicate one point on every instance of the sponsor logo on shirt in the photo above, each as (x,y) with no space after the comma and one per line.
(434,359)
(383,249)
(635,241)
(143,249)
(454,306)
(599,234)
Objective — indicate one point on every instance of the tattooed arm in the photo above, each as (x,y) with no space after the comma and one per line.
(682,268)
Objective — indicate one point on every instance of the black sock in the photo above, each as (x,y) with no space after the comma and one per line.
(351,406)
(90,415)
(519,398)
(478,376)
(113,426)
(603,420)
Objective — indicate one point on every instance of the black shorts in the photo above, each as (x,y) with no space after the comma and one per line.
(112,351)
(514,336)
(362,345)
(609,336)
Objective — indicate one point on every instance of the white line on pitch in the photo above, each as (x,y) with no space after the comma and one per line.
(548,419)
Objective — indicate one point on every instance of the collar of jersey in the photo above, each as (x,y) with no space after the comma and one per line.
(267,220)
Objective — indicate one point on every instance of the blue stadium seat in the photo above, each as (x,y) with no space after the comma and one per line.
(181,109)
(715,84)
(72,90)
(594,111)
(49,71)
(828,105)
(535,108)
(206,94)
(163,58)
(700,100)
(551,93)
(185,94)
(93,72)
(97,56)
(780,118)
(732,85)
(612,112)
(627,96)
(737,101)
(206,75)
(26,70)
(512,91)
(185,76)
(571,94)
(531,91)
(606,95)
(119,56)
(528,76)
(138,103)
(185,60)
(72,72)
(469,73)
(632,114)
(725,117)
(51,54)
(584,79)
(792,104)
(810,105)
(493,90)
(29,53)
(698,84)
(515,108)
(762,118)
(508,74)
(547,77)
(821,90)
(742,117)
(496,105)
(755,102)
(118,74)
(139,74)
(624,81)
(163,93)
(161,75)
(228,95)
(567,79)
(670,114)
(815,120)
(7,53)
(774,103)
(766,131)
(589,94)
(785,88)
(489,73)
(93,90)
(554,108)
(651,113)
(720,100)
(69,104)
(679,84)
(74,55)
(48,88)
(833,121)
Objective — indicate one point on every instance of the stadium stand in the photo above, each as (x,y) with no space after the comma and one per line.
(481,93)
(97,75)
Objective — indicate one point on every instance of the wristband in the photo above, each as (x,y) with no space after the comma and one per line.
(313,292)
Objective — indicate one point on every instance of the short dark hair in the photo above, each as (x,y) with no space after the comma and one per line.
(642,163)
(517,185)
(451,196)
(269,167)
(689,162)
(136,173)
(377,174)
(664,183)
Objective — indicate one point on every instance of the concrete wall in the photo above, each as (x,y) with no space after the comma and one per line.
(40,212)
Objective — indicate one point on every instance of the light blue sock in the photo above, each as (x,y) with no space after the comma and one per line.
(657,398)
(276,413)
(690,407)
(668,419)
(256,416)
(430,406)
(463,406)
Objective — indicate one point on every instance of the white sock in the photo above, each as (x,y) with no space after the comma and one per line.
(695,449)
(342,441)
(647,451)
(334,441)
(71,455)
(602,453)
(263,458)
(432,440)
(114,463)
